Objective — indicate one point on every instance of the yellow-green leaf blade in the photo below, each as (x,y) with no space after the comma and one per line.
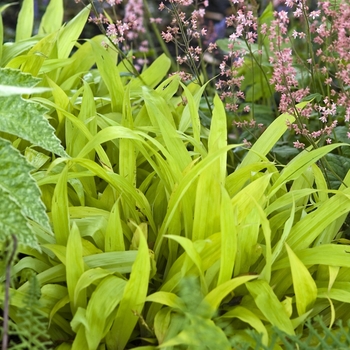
(52,18)
(133,299)
(101,307)
(25,21)
(304,285)
(268,303)
(74,268)
(214,297)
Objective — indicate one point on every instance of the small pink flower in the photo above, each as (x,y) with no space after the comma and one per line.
(167,36)
(298,13)
(246,143)
(298,144)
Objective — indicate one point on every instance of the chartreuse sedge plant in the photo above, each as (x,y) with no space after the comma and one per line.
(140,200)
(254,234)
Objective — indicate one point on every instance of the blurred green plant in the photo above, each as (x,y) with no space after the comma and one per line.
(29,329)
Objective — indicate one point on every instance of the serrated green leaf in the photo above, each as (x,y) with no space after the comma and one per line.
(13,222)
(15,78)
(26,119)
(15,178)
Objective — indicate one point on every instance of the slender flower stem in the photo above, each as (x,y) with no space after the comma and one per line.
(191,62)
(159,37)
(120,52)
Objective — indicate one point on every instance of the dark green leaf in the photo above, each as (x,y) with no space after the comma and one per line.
(336,168)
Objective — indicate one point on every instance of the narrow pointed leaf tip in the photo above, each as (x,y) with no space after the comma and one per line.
(24,118)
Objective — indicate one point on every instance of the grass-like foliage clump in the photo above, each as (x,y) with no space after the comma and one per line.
(133,215)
